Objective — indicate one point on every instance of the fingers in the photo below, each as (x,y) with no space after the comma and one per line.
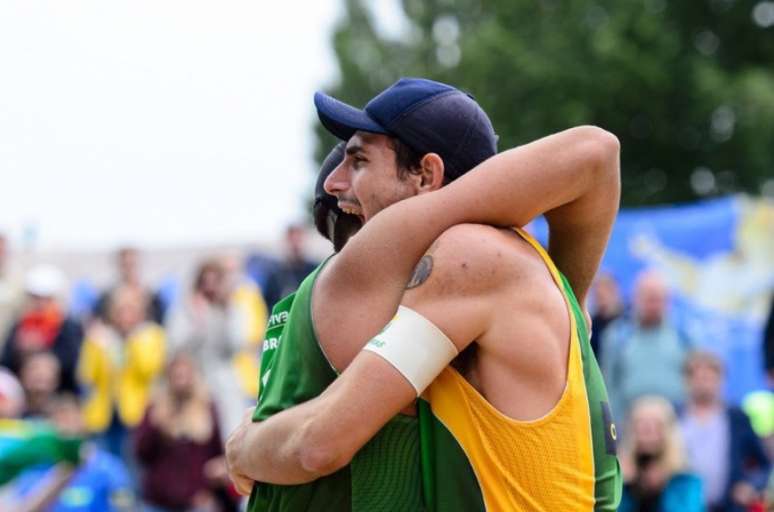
(242,484)
(247,416)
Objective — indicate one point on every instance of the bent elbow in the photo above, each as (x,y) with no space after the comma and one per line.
(322,459)
(321,451)
(602,145)
(601,150)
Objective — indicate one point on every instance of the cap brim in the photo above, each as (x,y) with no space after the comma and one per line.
(343,120)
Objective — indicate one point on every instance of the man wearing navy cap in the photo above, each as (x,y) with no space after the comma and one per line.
(523,386)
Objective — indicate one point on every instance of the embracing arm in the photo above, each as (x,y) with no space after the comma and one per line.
(322,435)
(573,175)
(292,448)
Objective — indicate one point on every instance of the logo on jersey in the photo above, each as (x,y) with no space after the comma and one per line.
(270,344)
(277,319)
(376,342)
(265,378)
(611,433)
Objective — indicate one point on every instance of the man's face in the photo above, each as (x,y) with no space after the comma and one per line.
(367,179)
(129,265)
(651,301)
(704,382)
(127,312)
(40,374)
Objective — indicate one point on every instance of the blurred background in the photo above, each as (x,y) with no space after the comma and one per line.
(158,160)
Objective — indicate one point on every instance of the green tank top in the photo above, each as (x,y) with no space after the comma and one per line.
(384,475)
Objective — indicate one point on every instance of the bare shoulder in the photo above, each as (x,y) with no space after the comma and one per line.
(470,258)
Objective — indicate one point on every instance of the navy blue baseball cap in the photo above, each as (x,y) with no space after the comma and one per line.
(428,116)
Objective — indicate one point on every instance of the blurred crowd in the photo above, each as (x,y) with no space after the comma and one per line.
(681,446)
(126,404)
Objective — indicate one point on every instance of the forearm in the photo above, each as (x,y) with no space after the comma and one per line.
(320,436)
(577,251)
(272,451)
(579,229)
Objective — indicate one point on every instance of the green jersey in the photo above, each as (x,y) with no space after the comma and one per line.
(384,475)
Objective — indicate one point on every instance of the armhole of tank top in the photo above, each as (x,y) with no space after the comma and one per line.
(556,277)
(311,315)
(574,351)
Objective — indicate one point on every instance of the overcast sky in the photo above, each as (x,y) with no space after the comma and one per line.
(158,122)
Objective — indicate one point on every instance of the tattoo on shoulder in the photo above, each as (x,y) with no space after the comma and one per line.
(421,272)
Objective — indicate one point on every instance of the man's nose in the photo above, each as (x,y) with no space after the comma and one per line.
(337,181)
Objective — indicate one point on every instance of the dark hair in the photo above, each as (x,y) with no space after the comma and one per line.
(702,357)
(207,266)
(407,158)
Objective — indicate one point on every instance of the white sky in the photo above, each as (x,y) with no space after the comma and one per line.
(158,122)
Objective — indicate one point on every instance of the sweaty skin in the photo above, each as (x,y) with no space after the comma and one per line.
(479,277)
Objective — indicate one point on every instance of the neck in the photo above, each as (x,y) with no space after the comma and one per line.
(650,324)
(610,310)
(37,402)
(180,397)
(132,282)
(704,407)
(124,332)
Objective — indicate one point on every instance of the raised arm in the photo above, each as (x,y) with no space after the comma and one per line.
(572,176)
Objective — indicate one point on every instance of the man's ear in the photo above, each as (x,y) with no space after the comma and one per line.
(431,173)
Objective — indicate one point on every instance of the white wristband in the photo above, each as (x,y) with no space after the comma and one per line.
(415,346)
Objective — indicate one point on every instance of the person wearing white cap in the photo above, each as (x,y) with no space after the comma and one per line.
(43,325)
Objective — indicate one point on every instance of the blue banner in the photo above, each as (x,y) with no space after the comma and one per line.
(718,258)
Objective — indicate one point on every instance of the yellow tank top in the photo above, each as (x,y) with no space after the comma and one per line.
(542,465)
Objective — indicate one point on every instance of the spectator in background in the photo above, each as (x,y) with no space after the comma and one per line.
(208,326)
(12,402)
(653,462)
(10,292)
(128,267)
(179,447)
(43,325)
(721,445)
(99,482)
(644,355)
(286,277)
(119,363)
(607,307)
(39,376)
(246,300)
(768,344)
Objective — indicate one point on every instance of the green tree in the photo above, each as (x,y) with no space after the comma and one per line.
(688,87)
